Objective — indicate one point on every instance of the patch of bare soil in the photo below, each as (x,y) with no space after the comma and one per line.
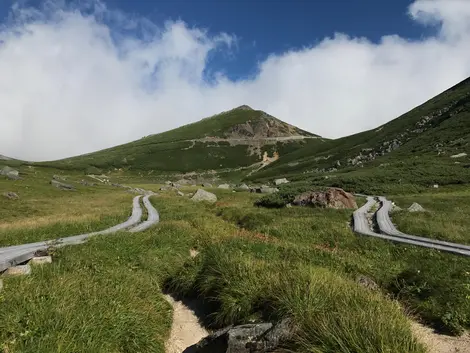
(437,343)
(185,329)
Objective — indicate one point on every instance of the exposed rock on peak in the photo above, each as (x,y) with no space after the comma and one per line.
(244,107)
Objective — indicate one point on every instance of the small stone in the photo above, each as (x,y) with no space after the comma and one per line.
(41,260)
(289,205)
(62,186)
(224,186)
(281,181)
(416,207)
(20,270)
(243,187)
(11,195)
(367,282)
(180,193)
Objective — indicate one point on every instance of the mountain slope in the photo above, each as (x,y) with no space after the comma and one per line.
(432,140)
(237,138)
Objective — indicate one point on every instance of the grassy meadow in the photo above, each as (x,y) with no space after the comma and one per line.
(254,263)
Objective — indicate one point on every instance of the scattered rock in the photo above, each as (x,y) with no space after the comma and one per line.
(243,187)
(435,186)
(367,282)
(395,208)
(11,195)
(58,177)
(20,270)
(206,185)
(179,193)
(416,207)
(460,155)
(193,253)
(202,195)
(331,198)
(86,183)
(165,188)
(289,205)
(268,190)
(10,173)
(7,170)
(249,338)
(191,194)
(62,186)
(224,186)
(281,181)
(40,260)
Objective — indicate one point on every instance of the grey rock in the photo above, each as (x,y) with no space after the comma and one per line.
(249,338)
(58,177)
(460,155)
(86,183)
(281,181)
(40,260)
(367,282)
(268,190)
(179,193)
(416,207)
(62,186)
(243,187)
(9,171)
(202,195)
(11,195)
(224,186)
(21,270)
(206,185)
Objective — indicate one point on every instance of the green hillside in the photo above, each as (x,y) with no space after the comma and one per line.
(428,145)
(232,139)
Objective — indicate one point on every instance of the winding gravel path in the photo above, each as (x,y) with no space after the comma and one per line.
(390,232)
(13,255)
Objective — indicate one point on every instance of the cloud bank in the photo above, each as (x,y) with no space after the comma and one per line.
(75,80)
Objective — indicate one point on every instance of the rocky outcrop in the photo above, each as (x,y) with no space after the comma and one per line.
(250,338)
(202,195)
(62,186)
(331,198)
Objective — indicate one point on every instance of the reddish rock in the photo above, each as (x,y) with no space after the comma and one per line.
(331,198)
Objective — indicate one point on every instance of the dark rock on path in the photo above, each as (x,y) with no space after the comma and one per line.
(249,338)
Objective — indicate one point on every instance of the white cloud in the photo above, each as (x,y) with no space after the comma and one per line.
(74,83)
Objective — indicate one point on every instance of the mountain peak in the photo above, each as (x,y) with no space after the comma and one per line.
(244,107)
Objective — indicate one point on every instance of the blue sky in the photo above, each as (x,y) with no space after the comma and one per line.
(106,72)
(265,27)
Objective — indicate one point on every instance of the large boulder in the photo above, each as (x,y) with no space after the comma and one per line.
(224,186)
(249,338)
(331,198)
(202,195)
(281,181)
(10,173)
(62,186)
